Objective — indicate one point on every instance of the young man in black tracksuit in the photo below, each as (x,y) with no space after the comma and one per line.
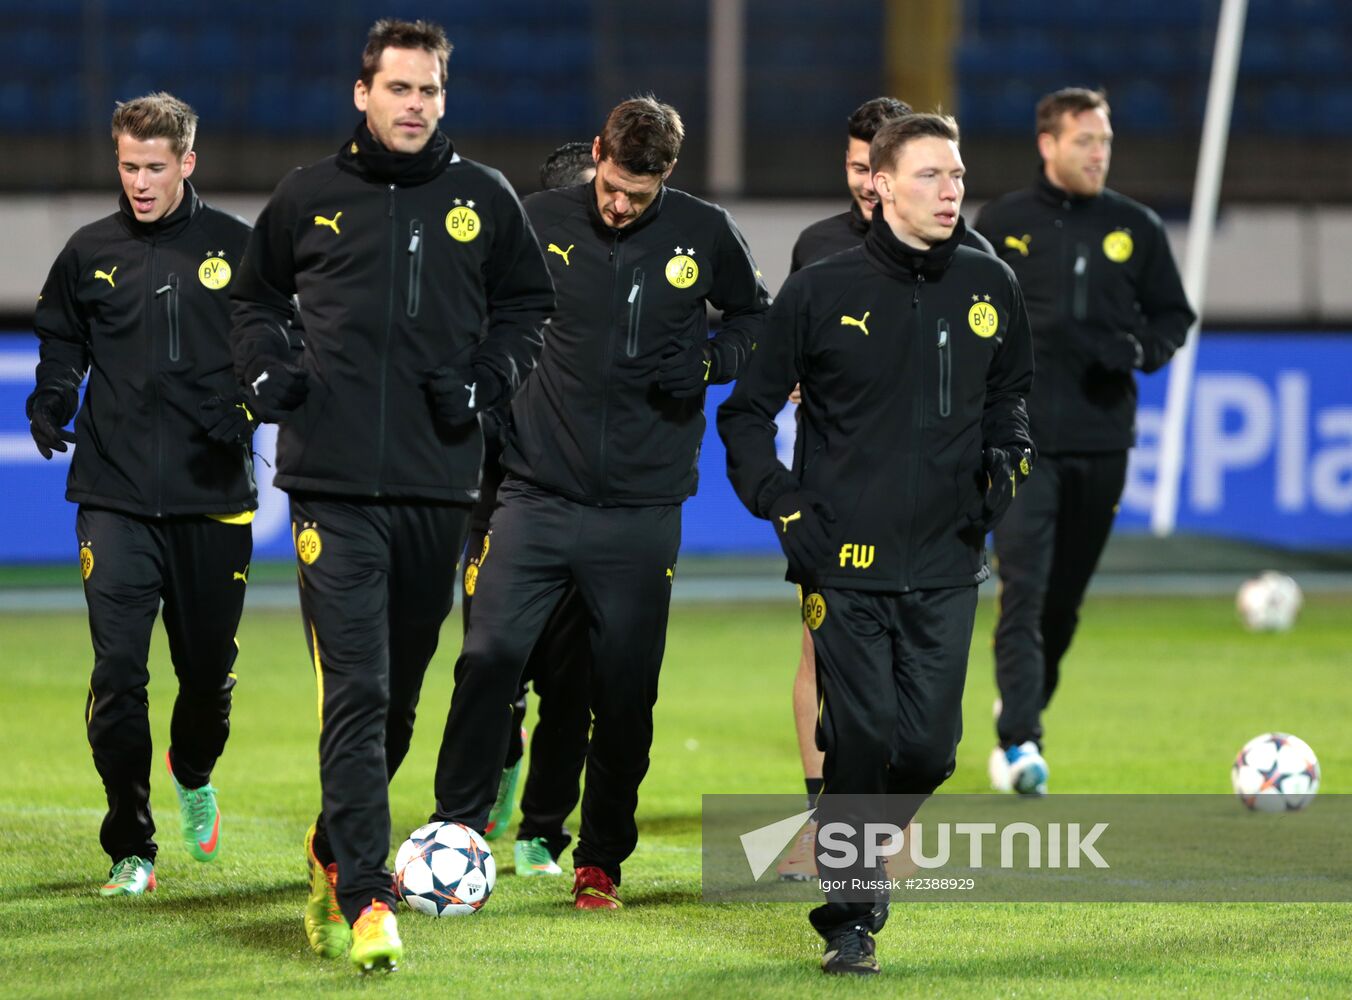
(423,293)
(602,453)
(161,471)
(559,663)
(914,356)
(817,242)
(1105,300)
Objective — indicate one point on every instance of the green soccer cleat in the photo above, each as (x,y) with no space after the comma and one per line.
(325,926)
(501,814)
(376,946)
(131,876)
(199,818)
(533,858)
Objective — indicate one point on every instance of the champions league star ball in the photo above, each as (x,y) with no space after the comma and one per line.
(444,870)
(1275,772)
(1269,603)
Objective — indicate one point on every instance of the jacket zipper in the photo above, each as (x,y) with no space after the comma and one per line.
(615,258)
(903,578)
(170,291)
(635,311)
(152,380)
(945,369)
(1080,300)
(415,256)
(389,334)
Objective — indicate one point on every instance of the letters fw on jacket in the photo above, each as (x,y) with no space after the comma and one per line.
(910,362)
(144,309)
(395,276)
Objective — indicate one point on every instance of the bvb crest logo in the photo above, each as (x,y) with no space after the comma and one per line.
(983,319)
(814,611)
(214,273)
(308,545)
(682,271)
(86,560)
(472,570)
(462,222)
(1118,245)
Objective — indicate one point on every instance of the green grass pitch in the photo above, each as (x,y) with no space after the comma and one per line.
(1159,695)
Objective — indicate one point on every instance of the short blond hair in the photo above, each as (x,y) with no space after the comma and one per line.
(157,116)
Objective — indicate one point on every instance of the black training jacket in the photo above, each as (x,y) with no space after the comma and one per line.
(841,232)
(591,423)
(1091,269)
(910,364)
(144,309)
(393,281)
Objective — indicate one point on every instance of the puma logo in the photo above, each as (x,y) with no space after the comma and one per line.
(797,515)
(1019,243)
(106,276)
(851,321)
(472,387)
(331,223)
(708,367)
(554,248)
(670,575)
(242,577)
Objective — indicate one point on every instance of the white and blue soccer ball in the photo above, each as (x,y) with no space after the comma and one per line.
(1275,772)
(1269,602)
(444,870)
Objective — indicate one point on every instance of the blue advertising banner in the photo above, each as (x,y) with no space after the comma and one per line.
(1269,457)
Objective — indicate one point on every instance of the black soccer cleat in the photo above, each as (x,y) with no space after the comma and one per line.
(851,953)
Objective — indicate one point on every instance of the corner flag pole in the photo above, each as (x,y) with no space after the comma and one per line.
(1206,194)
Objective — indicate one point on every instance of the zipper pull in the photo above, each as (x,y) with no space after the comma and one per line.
(1080,265)
(413,242)
(915,295)
(633,294)
(161,291)
(943,336)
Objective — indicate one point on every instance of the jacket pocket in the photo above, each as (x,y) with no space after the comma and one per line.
(635,314)
(169,292)
(1079,302)
(415,256)
(945,370)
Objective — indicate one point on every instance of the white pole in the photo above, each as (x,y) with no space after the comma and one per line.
(1206,194)
(727,98)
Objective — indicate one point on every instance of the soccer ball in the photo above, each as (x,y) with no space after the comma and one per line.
(1269,603)
(1275,772)
(444,870)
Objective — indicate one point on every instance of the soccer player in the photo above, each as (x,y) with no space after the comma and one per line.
(423,293)
(914,355)
(161,472)
(558,665)
(818,241)
(602,453)
(1105,300)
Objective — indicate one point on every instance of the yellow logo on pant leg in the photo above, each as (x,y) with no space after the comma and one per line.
(472,570)
(86,560)
(242,577)
(814,611)
(309,545)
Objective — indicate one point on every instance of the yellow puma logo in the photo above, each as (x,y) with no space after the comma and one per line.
(851,321)
(1019,243)
(106,276)
(554,248)
(331,223)
(797,515)
(670,575)
(242,577)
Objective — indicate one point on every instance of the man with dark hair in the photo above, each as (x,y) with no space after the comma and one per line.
(570,164)
(914,355)
(558,664)
(423,293)
(602,453)
(1105,300)
(820,240)
(162,472)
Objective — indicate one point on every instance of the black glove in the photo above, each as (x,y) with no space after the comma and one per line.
(685,372)
(276,388)
(459,395)
(1005,469)
(227,421)
(48,414)
(1120,353)
(802,523)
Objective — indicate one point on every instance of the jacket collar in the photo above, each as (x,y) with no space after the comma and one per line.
(364,156)
(610,232)
(167,227)
(900,260)
(858,224)
(1053,195)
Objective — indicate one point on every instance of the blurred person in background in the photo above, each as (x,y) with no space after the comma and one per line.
(1105,300)
(914,357)
(423,294)
(601,453)
(162,472)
